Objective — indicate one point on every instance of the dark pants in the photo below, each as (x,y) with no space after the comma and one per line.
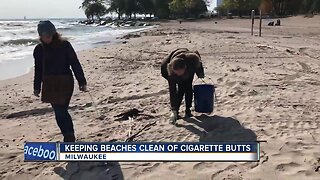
(63,118)
(176,94)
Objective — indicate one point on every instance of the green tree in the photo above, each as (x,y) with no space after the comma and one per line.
(241,6)
(131,7)
(280,7)
(95,9)
(310,6)
(86,3)
(117,6)
(127,7)
(187,8)
(146,7)
(292,7)
(161,8)
(178,7)
(196,7)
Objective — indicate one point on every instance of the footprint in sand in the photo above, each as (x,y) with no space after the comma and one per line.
(202,167)
(287,167)
(231,84)
(222,174)
(152,168)
(177,168)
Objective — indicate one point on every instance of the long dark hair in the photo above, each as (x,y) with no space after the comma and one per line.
(56,40)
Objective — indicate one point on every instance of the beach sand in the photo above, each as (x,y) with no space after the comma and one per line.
(267,89)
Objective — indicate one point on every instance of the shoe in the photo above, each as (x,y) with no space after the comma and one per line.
(69,138)
(188,114)
(173,117)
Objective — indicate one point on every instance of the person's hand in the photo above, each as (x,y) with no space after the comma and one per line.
(83,88)
(36,92)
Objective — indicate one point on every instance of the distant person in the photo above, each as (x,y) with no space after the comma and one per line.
(53,59)
(271,23)
(179,68)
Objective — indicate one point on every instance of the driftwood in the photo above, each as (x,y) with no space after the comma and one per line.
(146,127)
(130,113)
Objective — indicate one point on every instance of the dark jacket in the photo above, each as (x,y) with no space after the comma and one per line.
(57,62)
(194,66)
(192,60)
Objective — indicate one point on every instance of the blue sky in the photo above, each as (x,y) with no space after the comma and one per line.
(17,9)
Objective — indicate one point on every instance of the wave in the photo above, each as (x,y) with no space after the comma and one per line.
(15,42)
(64,28)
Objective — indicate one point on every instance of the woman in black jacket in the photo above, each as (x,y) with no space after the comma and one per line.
(53,59)
(179,68)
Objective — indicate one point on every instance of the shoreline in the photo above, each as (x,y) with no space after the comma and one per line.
(267,88)
(117,40)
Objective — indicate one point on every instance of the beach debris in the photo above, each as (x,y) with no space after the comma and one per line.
(235,69)
(291,52)
(129,36)
(253,93)
(264,47)
(128,114)
(145,128)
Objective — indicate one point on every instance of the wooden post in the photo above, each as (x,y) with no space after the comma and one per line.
(252,17)
(260,23)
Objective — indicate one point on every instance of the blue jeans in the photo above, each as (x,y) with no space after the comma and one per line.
(63,118)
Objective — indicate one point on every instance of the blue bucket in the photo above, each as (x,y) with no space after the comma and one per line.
(204,98)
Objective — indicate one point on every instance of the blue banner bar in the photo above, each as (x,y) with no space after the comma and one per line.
(214,147)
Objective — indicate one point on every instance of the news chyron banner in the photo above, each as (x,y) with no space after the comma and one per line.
(235,151)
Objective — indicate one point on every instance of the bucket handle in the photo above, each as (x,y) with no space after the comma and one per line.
(205,82)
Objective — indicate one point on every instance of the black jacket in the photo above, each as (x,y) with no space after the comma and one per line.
(58,60)
(192,60)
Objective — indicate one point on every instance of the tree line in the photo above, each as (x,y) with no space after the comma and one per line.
(292,7)
(158,8)
(277,7)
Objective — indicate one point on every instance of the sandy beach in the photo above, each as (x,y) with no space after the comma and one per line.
(267,89)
